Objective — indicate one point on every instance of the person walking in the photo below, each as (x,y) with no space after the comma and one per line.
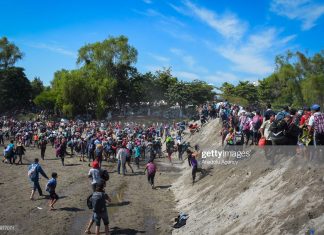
(98,200)
(151,170)
(42,145)
(33,173)
(50,187)
(20,150)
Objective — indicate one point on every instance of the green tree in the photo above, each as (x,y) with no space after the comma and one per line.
(111,59)
(200,92)
(46,100)
(163,80)
(179,93)
(15,89)
(9,53)
(37,87)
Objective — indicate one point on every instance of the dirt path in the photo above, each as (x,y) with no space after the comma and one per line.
(135,207)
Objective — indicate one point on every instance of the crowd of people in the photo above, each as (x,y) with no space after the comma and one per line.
(91,142)
(288,126)
(126,143)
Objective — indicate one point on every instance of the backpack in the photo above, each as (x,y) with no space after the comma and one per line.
(277,126)
(104,175)
(246,124)
(239,138)
(33,171)
(257,123)
(92,147)
(319,123)
(281,115)
(98,202)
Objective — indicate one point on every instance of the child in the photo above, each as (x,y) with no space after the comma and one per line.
(50,187)
(151,169)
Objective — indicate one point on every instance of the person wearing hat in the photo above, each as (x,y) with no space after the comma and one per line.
(94,174)
(316,124)
(20,150)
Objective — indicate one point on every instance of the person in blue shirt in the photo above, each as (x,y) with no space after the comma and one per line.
(50,187)
(33,172)
(137,155)
(9,152)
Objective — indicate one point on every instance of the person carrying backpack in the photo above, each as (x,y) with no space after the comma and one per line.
(33,173)
(94,174)
(282,114)
(98,204)
(316,125)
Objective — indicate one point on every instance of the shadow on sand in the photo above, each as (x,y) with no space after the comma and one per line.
(127,231)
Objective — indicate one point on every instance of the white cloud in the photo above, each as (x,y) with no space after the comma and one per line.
(220,77)
(228,25)
(255,56)
(184,75)
(179,34)
(159,58)
(305,11)
(54,48)
(171,20)
(187,59)
(179,9)
(154,68)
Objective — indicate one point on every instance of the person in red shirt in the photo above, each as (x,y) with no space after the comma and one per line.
(306,115)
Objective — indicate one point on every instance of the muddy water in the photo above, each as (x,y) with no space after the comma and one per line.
(80,222)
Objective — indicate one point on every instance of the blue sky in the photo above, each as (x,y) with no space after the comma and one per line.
(215,41)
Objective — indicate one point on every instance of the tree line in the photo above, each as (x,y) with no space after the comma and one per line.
(106,80)
(297,81)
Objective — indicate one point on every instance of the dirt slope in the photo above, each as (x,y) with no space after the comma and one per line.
(252,197)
